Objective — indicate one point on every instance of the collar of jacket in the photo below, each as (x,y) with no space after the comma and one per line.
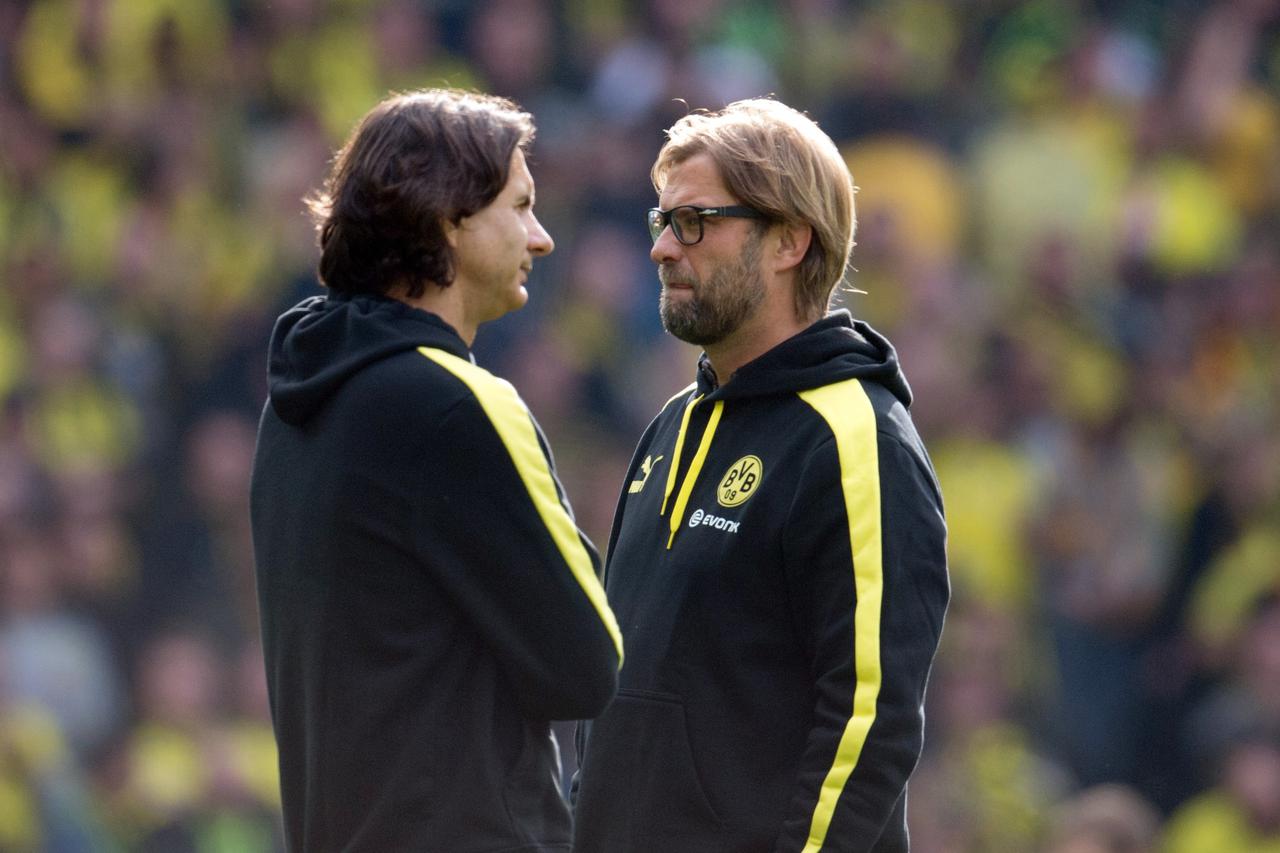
(322,341)
(835,348)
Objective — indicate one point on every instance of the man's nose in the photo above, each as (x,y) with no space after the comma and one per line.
(666,249)
(540,242)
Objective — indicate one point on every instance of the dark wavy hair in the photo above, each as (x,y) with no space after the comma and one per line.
(416,161)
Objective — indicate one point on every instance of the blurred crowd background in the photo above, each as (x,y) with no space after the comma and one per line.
(1068,225)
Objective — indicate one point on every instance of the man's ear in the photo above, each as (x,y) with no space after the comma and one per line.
(793,243)
(451,230)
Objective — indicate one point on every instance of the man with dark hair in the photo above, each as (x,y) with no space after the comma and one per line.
(777,559)
(428,603)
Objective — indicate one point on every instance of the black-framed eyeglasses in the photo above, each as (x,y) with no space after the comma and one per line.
(686,220)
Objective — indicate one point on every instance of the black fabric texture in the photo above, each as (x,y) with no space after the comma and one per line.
(741,647)
(420,623)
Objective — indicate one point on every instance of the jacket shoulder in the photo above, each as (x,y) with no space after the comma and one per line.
(858,404)
(495,395)
(429,380)
(679,397)
(671,410)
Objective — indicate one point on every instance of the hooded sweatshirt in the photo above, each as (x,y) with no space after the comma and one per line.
(427,602)
(777,563)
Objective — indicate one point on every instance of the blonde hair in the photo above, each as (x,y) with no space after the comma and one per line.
(780,162)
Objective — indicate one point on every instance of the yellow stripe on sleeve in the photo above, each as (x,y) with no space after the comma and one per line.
(847,410)
(511,418)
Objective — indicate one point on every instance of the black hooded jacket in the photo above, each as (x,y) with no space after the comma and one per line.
(777,563)
(427,602)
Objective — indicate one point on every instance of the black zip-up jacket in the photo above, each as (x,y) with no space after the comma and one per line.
(427,602)
(778,565)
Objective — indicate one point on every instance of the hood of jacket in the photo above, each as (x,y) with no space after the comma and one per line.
(322,341)
(835,348)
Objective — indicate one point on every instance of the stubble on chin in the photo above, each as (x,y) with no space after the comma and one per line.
(717,308)
(680,318)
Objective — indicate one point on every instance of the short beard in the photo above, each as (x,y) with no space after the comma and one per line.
(719,306)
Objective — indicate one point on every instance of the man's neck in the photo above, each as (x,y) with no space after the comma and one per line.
(748,343)
(446,303)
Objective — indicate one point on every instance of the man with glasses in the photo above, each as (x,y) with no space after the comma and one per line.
(777,559)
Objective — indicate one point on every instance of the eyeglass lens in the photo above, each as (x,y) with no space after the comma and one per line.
(656,223)
(686,224)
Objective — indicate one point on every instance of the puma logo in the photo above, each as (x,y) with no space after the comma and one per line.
(646,468)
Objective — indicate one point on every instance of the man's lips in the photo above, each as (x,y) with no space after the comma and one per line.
(672,278)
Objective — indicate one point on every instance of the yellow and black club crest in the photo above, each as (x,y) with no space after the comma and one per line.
(740,481)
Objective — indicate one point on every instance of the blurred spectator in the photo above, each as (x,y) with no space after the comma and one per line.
(198,562)
(1242,811)
(1247,698)
(1101,544)
(44,801)
(186,777)
(1104,819)
(984,783)
(53,659)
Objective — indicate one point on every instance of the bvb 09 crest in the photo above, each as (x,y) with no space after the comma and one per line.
(740,481)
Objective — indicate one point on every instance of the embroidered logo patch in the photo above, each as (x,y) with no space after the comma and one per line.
(740,481)
(646,468)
